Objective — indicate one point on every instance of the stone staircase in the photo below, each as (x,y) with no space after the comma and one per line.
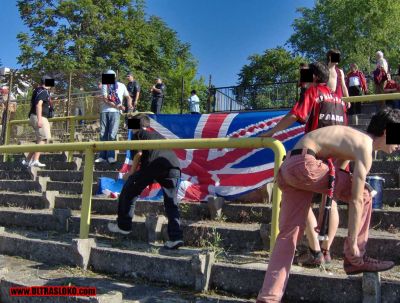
(224,258)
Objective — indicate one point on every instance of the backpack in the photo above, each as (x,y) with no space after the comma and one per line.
(36,93)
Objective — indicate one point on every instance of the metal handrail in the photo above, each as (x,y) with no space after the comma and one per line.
(90,147)
(72,126)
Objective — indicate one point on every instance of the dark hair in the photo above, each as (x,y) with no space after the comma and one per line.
(193,92)
(321,71)
(144,120)
(330,53)
(378,122)
(44,78)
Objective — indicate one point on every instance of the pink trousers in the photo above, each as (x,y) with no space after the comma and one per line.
(299,177)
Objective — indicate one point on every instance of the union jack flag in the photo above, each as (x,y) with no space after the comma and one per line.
(227,173)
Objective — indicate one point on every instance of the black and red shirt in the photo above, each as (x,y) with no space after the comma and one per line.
(319,108)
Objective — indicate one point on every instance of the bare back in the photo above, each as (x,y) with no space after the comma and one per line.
(343,143)
(332,82)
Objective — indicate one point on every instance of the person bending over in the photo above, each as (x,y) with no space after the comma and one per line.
(159,165)
(304,172)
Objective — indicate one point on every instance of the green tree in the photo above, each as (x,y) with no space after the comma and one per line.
(358,28)
(86,37)
(256,88)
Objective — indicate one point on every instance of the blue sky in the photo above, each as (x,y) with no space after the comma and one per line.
(222,33)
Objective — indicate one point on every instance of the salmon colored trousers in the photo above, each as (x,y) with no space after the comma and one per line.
(299,177)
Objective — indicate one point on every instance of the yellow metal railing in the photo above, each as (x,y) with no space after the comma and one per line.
(372,98)
(72,126)
(90,147)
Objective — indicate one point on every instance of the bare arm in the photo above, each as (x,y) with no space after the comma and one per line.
(129,101)
(39,106)
(344,87)
(135,102)
(361,169)
(284,123)
(342,164)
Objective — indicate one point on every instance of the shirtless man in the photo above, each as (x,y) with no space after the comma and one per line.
(336,81)
(303,173)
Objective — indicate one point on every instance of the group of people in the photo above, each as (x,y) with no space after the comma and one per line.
(127,101)
(326,149)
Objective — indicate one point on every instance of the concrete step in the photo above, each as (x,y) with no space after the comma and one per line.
(24,174)
(385,167)
(21,186)
(391,196)
(27,200)
(231,212)
(56,165)
(150,262)
(55,157)
(38,219)
(20,272)
(189,268)
(74,176)
(69,188)
(304,285)
(203,234)
(240,237)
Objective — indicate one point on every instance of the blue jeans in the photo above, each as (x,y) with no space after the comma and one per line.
(109,124)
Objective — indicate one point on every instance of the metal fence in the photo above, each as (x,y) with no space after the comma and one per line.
(268,96)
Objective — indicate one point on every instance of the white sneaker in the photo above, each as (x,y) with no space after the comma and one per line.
(113,227)
(173,244)
(25,163)
(111,160)
(100,160)
(37,164)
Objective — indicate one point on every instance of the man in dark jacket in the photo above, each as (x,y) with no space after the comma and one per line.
(157,94)
(159,165)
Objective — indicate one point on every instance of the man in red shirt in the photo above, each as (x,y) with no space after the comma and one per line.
(319,107)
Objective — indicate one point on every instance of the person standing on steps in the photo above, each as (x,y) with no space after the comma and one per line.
(318,108)
(113,95)
(157,94)
(159,165)
(38,114)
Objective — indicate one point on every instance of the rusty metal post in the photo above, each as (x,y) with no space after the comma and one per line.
(69,100)
(4,121)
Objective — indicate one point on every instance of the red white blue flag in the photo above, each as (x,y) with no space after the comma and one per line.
(227,173)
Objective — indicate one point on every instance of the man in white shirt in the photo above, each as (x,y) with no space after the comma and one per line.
(194,103)
(113,95)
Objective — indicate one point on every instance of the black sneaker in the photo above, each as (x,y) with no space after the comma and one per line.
(309,259)
(173,244)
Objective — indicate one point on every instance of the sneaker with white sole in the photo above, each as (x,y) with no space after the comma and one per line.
(36,164)
(173,244)
(100,160)
(113,227)
(111,160)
